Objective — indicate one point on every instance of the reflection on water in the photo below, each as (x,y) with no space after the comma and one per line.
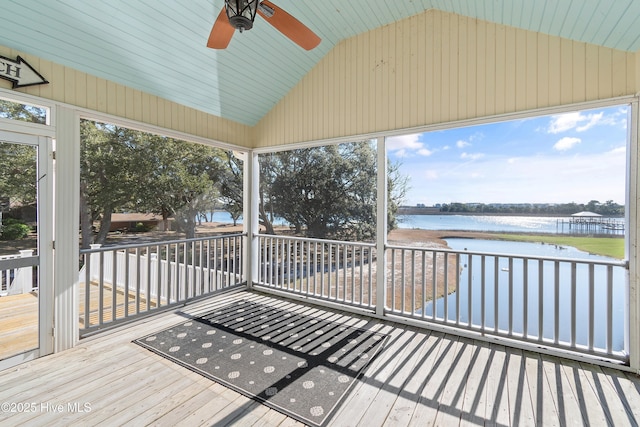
(502,223)
(498,271)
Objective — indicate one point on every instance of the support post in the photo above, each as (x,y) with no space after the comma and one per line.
(66,208)
(381,227)
(632,311)
(251,186)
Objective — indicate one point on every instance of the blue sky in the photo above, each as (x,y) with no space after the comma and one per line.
(572,157)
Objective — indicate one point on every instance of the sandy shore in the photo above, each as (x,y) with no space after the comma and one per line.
(431,238)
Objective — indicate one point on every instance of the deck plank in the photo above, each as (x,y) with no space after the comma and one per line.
(420,378)
(520,403)
(568,408)
(608,397)
(452,398)
(474,401)
(421,364)
(588,400)
(545,410)
(429,400)
(366,390)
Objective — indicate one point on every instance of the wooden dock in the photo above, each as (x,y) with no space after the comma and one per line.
(421,378)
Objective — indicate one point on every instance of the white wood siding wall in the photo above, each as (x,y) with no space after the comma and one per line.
(438,67)
(79,89)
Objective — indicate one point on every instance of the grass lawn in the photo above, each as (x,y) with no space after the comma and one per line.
(607,246)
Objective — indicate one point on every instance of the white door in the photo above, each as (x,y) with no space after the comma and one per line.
(26,293)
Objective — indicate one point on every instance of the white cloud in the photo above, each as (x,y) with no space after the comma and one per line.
(579,121)
(407,145)
(471,156)
(431,175)
(593,120)
(619,150)
(405,141)
(401,153)
(537,179)
(566,143)
(462,144)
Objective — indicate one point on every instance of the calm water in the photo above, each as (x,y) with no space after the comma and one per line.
(487,223)
(518,289)
(225,217)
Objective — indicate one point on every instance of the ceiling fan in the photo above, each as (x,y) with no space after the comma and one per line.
(239,14)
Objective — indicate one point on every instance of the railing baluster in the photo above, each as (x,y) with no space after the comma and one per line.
(393,280)
(457,291)
(590,340)
(525,297)
(540,300)
(510,289)
(353,274)
(230,263)
(496,290)
(87,290)
(483,290)
(101,289)
(446,287)
(114,285)
(423,274)
(573,305)
(413,281)
(556,302)
(609,308)
(403,279)
(138,280)
(148,285)
(434,283)
(470,292)
(322,269)
(337,264)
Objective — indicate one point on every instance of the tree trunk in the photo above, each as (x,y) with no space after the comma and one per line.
(105,225)
(264,219)
(86,223)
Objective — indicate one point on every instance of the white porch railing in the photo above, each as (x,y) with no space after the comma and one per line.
(565,305)
(324,269)
(121,282)
(573,305)
(17,280)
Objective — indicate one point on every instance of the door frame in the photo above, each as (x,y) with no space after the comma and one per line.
(44,257)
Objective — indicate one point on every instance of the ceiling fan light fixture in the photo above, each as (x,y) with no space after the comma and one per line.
(241,13)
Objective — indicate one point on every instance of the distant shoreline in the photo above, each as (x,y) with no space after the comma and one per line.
(436,211)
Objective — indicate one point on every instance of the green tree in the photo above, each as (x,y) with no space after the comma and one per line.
(18,173)
(22,112)
(109,166)
(329,191)
(127,170)
(231,187)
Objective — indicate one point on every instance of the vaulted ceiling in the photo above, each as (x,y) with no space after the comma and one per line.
(159,46)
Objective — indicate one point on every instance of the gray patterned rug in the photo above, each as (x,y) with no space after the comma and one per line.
(297,364)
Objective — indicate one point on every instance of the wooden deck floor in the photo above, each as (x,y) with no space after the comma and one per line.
(421,378)
(18,324)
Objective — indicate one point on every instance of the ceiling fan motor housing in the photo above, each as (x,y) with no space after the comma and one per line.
(241,13)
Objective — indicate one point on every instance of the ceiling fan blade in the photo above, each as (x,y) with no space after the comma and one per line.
(288,25)
(221,32)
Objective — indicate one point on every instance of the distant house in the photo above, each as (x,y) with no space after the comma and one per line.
(129,221)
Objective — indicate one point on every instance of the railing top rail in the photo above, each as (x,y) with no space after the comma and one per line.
(160,243)
(621,263)
(313,240)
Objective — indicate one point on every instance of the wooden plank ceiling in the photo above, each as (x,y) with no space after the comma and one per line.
(158,46)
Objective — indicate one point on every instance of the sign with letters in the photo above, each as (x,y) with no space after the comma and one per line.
(19,72)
